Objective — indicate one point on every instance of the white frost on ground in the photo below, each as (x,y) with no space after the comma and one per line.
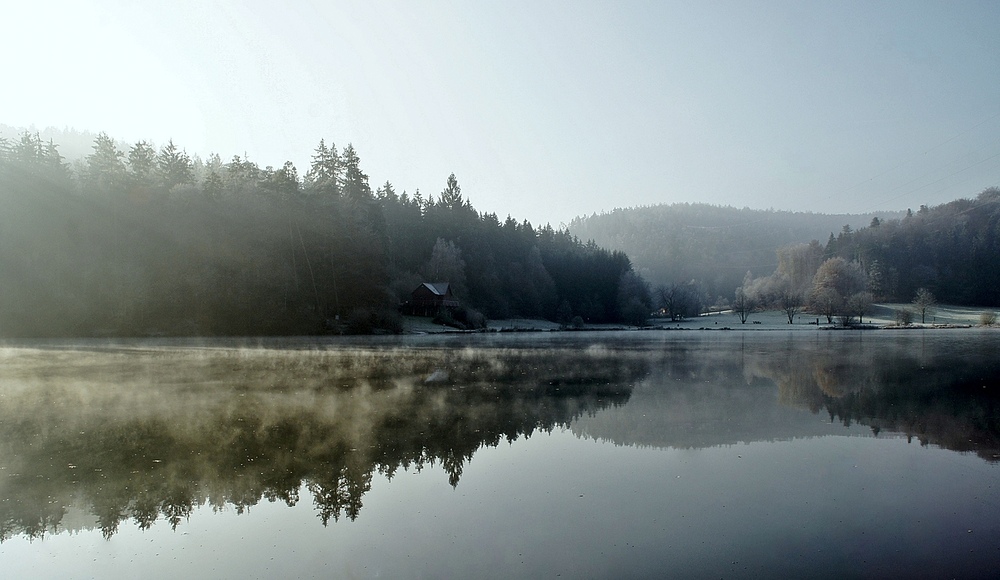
(881,315)
(420,324)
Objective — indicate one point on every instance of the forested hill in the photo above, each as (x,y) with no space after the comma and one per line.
(138,240)
(951,249)
(713,245)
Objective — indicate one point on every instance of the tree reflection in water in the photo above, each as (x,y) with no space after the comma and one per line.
(145,434)
(705,392)
(944,393)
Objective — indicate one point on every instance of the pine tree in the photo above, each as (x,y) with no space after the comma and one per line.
(323,177)
(283,182)
(451,197)
(142,166)
(55,168)
(386,193)
(174,165)
(105,171)
(27,150)
(242,175)
(354,185)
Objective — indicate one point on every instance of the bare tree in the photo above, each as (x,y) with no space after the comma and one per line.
(924,302)
(677,300)
(789,301)
(859,305)
(667,297)
(744,305)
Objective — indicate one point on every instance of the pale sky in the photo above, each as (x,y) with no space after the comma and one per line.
(544,110)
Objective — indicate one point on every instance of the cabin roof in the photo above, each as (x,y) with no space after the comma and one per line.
(437,288)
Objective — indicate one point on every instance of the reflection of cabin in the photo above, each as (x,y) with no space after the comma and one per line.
(430,297)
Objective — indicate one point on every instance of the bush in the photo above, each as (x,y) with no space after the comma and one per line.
(988,318)
(635,313)
(372,321)
(359,321)
(388,321)
(473,318)
(462,318)
(904,316)
(444,317)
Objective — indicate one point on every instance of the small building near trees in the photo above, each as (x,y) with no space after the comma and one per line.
(429,298)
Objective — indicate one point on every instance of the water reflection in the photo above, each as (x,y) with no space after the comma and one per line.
(947,395)
(942,389)
(98,437)
(142,434)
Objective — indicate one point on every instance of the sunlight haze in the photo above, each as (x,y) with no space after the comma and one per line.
(543,110)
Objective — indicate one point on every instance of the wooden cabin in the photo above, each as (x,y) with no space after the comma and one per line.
(430,297)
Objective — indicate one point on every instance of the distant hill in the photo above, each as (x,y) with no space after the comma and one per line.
(714,245)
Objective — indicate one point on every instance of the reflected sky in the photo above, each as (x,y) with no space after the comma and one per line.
(589,455)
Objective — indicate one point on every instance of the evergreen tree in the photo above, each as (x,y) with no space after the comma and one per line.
(386,194)
(174,166)
(242,176)
(324,175)
(37,160)
(55,168)
(142,164)
(213,184)
(27,150)
(282,183)
(105,170)
(451,197)
(354,184)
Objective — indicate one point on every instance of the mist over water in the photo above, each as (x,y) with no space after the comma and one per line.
(142,432)
(133,439)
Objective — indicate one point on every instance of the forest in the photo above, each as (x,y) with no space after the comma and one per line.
(941,254)
(144,241)
(140,240)
(950,249)
(711,245)
(700,257)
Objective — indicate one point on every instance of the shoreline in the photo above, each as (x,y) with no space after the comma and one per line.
(944,317)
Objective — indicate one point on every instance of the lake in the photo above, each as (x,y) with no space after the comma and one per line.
(574,455)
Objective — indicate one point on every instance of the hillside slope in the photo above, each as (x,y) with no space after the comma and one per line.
(715,245)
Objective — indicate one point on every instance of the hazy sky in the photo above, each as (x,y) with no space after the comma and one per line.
(544,110)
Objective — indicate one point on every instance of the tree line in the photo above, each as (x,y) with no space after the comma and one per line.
(700,252)
(150,240)
(944,253)
(701,257)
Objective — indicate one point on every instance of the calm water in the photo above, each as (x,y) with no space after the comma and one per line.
(580,455)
